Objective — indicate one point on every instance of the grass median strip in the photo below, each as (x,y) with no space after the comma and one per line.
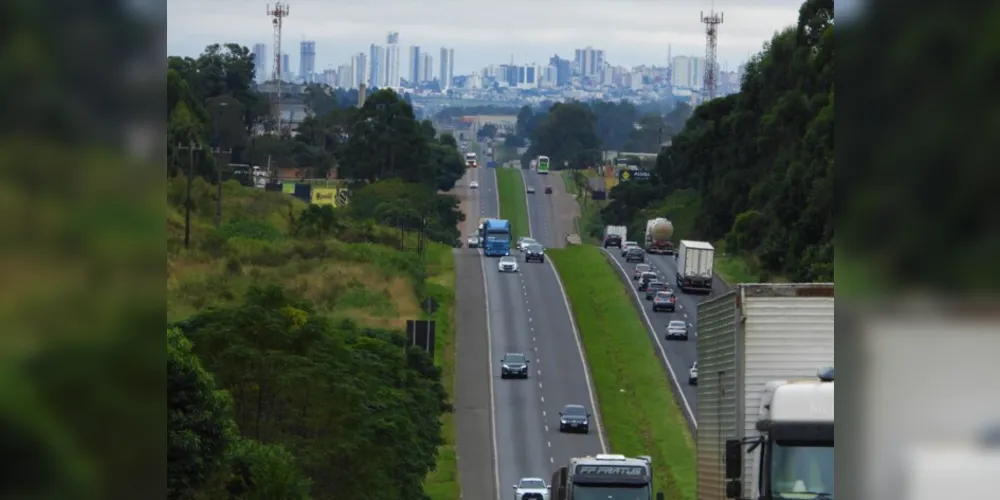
(442,482)
(638,409)
(513,205)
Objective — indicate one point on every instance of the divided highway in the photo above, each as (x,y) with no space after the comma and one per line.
(527,312)
(678,355)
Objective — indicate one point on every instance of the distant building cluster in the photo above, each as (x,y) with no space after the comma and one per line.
(588,75)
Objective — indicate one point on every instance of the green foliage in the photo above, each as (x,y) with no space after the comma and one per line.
(408,206)
(761,160)
(264,472)
(198,424)
(358,408)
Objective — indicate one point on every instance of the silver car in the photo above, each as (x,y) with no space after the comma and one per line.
(677,330)
(693,374)
(473,241)
(525,242)
(531,487)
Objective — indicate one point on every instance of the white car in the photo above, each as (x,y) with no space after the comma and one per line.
(507,264)
(677,330)
(525,243)
(693,374)
(474,184)
(531,189)
(533,488)
(627,245)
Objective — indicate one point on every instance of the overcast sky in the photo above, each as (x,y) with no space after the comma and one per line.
(631,32)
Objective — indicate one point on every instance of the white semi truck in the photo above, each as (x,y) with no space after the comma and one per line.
(658,234)
(765,393)
(604,476)
(695,266)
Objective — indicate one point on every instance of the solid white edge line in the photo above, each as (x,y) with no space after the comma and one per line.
(656,338)
(576,337)
(489,351)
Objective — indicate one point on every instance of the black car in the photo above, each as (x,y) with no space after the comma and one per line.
(548,189)
(612,240)
(574,418)
(514,365)
(645,278)
(635,254)
(534,253)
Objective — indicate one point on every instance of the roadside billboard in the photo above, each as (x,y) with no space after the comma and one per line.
(324,196)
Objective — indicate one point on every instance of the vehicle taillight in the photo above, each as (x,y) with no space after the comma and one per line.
(673,299)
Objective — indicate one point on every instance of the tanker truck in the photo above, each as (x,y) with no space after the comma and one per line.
(658,233)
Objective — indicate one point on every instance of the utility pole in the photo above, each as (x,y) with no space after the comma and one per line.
(191,147)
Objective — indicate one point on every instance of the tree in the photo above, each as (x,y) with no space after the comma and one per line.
(488,131)
(199,428)
(566,134)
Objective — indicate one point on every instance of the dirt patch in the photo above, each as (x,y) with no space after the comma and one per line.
(567,212)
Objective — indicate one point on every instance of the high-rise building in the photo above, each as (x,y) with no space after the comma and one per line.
(377,74)
(564,70)
(261,66)
(413,70)
(426,67)
(359,69)
(589,61)
(447,71)
(688,72)
(307,60)
(344,76)
(392,60)
(286,68)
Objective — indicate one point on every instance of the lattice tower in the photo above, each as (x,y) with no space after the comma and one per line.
(712,22)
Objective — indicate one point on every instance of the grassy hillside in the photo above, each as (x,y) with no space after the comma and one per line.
(373,284)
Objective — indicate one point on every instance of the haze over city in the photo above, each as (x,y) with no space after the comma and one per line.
(632,33)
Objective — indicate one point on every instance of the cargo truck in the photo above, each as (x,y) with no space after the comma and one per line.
(614,236)
(604,476)
(695,266)
(658,234)
(765,393)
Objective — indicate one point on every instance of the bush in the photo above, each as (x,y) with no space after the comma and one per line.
(264,472)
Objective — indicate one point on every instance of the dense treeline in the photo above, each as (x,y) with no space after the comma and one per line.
(268,398)
(754,170)
(211,101)
(576,133)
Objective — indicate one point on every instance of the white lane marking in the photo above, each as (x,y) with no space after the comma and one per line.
(549,443)
(552,460)
(543,399)
(546,428)
(543,413)
(663,352)
(489,351)
(539,385)
(576,337)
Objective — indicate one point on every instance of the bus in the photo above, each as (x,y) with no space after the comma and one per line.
(470,159)
(495,234)
(543,165)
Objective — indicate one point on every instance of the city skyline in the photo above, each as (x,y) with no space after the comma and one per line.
(352,29)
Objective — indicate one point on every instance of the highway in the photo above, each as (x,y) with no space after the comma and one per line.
(527,312)
(678,355)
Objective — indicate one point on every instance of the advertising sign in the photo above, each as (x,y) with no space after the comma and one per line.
(288,187)
(324,196)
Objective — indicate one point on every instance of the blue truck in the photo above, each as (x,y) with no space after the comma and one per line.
(495,234)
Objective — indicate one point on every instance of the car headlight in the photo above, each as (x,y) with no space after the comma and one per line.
(505,367)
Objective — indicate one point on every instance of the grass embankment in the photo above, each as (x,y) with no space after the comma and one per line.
(442,482)
(513,205)
(637,406)
(372,284)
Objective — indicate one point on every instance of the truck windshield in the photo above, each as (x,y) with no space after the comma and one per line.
(802,469)
(611,492)
(497,236)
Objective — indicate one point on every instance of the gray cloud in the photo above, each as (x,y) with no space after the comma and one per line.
(631,32)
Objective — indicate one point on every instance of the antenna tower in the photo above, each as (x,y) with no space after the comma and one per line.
(277,15)
(712,22)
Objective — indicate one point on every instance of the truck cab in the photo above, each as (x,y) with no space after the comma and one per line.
(792,457)
(604,476)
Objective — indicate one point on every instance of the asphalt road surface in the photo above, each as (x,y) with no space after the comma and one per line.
(528,313)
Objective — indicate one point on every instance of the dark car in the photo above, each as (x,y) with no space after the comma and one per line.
(534,253)
(548,189)
(574,418)
(635,254)
(653,287)
(664,301)
(514,365)
(612,240)
(645,278)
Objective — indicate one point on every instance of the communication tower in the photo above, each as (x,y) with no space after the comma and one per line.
(277,15)
(712,22)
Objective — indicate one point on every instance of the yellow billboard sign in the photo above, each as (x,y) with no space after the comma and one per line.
(324,196)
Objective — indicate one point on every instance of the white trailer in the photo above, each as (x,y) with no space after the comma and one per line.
(760,348)
(695,266)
